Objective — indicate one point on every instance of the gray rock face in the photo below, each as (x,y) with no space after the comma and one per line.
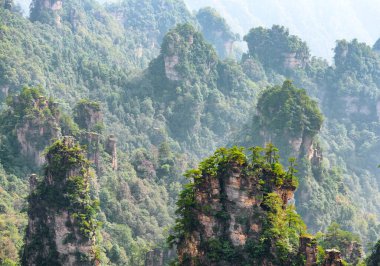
(35,133)
(55,232)
(159,257)
(232,210)
(333,258)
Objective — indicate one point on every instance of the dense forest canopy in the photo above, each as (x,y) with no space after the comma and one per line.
(148,89)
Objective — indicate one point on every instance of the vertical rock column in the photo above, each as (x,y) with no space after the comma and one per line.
(61,228)
(308,249)
(89,117)
(112,150)
(333,258)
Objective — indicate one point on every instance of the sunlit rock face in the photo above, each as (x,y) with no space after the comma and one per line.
(60,229)
(111,148)
(36,132)
(308,248)
(333,258)
(232,211)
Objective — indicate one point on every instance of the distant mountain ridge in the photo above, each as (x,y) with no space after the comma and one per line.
(319,23)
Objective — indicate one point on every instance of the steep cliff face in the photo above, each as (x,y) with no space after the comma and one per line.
(237,212)
(111,149)
(354,253)
(277,49)
(289,118)
(31,123)
(374,258)
(46,11)
(89,117)
(159,257)
(185,55)
(7,4)
(62,226)
(308,250)
(216,31)
(37,131)
(333,258)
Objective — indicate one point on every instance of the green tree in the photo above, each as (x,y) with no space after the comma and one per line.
(374,258)
(271,46)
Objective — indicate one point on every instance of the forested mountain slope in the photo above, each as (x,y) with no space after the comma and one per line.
(144,87)
(347,141)
(72,55)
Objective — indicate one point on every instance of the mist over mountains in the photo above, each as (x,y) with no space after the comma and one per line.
(137,133)
(319,23)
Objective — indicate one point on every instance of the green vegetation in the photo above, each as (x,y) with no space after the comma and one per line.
(374,258)
(64,188)
(197,90)
(337,238)
(70,192)
(88,116)
(155,17)
(196,56)
(7,4)
(288,111)
(38,12)
(216,31)
(326,168)
(285,115)
(272,46)
(166,121)
(30,116)
(12,217)
(346,242)
(281,226)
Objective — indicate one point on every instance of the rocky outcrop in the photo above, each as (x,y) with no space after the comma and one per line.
(92,140)
(315,155)
(61,226)
(111,149)
(185,55)
(308,249)
(159,257)
(354,253)
(297,147)
(301,146)
(228,48)
(170,63)
(231,211)
(294,61)
(52,5)
(34,133)
(4,90)
(374,258)
(293,135)
(46,11)
(8,4)
(333,258)
(216,31)
(89,117)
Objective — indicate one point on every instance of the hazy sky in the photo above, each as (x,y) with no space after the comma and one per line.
(319,22)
